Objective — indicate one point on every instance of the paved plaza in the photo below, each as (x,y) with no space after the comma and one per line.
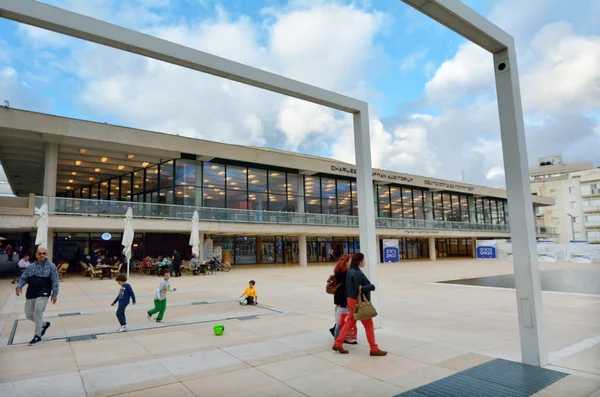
(283,346)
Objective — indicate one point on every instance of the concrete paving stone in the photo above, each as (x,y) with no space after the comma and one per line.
(386,368)
(253,351)
(194,362)
(465,361)
(172,390)
(433,353)
(64,385)
(230,383)
(296,368)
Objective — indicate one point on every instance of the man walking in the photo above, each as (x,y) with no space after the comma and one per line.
(42,280)
(177,260)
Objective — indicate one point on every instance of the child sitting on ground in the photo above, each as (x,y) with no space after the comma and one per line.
(249,297)
(125,296)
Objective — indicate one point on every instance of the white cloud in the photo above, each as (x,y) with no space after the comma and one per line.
(495,173)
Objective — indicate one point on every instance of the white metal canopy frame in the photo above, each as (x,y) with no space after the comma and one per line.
(451,13)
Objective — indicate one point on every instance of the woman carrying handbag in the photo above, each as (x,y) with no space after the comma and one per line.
(358,295)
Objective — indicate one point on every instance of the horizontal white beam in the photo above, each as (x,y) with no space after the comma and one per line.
(457,16)
(76,25)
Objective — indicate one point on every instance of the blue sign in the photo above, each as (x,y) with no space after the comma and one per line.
(486,252)
(391,254)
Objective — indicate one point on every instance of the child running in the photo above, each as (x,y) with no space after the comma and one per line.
(160,298)
(125,296)
(249,297)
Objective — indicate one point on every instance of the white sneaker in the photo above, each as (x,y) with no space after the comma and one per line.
(123,328)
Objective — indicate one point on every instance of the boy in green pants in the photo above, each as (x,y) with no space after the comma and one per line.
(160,298)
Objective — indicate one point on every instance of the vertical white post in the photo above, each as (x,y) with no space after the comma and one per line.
(302,251)
(201,248)
(366,212)
(432,248)
(522,226)
(50,169)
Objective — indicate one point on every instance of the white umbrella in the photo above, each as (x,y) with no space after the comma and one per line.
(41,237)
(195,236)
(128,237)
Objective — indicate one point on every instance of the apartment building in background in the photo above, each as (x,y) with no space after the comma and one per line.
(575,187)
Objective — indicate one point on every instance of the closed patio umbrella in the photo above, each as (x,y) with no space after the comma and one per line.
(41,237)
(128,237)
(195,236)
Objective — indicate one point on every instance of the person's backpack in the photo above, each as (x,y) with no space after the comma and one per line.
(332,285)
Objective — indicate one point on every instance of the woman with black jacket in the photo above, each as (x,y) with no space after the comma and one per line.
(355,279)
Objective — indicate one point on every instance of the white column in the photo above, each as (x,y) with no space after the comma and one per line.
(201,248)
(366,212)
(302,252)
(50,169)
(516,166)
(432,248)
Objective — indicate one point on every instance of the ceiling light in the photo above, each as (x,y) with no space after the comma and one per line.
(233,183)
(145,164)
(274,174)
(97,169)
(73,173)
(104,183)
(91,178)
(120,167)
(206,181)
(77,162)
(136,186)
(70,180)
(103,159)
(124,181)
(82,151)
(254,182)
(221,172)
(214,167)
(190,187)
(68,187)
(251,176)
(179,192)
(130,156)
(245,171)
(222,193)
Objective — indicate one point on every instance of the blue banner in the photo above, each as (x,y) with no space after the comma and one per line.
(486,249)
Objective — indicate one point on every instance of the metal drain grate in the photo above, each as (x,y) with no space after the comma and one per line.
(80,338)
(497,378)
(69,314)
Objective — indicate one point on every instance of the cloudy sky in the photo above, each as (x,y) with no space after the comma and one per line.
(431,94)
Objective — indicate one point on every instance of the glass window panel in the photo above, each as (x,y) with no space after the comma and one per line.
(397,211)
(277,183)
(438,207)
(213,176)
(501,219)
(152,178)
(464,208)
(328,188)
(407,206)
(85,192)
(419,214)
(329,206)
(294,184)
(237,199)
(345,206)
(166,174)
(185,172)
(486,211)
(183,195)
(455,213)
(277,202)
(396,195)
(257,201)
(167,195)
(236,179)
(312,186)
(343,189)
(214,197)
(383,194)
(355,208)
(257,180)
(417,198)
(138,182)
(313,205)
(293,203)
(494,211)
(104,190)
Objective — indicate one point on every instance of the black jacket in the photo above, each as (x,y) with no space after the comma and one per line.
(177,259)
(339,298)
(355,278)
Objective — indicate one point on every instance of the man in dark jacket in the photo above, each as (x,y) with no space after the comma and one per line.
(41,278)
(177,263)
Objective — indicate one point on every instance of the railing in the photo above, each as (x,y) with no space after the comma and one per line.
(592,224)
(106,208)
(591,208)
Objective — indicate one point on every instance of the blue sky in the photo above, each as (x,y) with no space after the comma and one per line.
(431,94)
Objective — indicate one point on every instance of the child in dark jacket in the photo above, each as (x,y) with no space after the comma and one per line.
(125,295)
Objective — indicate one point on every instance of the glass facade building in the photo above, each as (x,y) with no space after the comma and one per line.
(235,185)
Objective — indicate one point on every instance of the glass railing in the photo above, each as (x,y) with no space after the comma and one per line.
(592,223)
(106,208)
(591,208)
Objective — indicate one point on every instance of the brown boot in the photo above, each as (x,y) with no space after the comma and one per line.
(340,349)
(379,353)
